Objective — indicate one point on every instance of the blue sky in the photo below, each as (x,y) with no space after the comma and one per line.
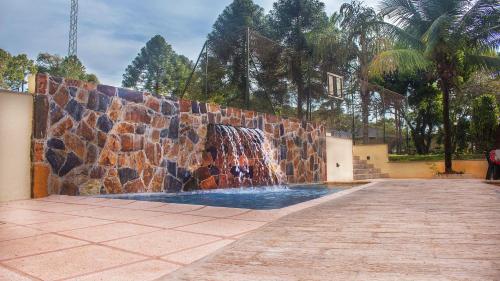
(111,32)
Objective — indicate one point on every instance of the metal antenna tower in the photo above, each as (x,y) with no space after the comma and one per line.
(73,29)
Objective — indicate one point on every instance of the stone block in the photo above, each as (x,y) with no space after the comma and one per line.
(125,128)
(107,90)
(74,143)
(38,151)
(153,103)
(40,180)
(41,83)
(69,188)
(112,185)
(135,186)
(104,102)
(107,158)
(130,95)
(74,109)
(85,131)
(55,159)
(127,174)
(137,114)
(72,161)
(184,105)
(172,184)
(104,123)
(169,108)
(61,97)
(173,129)
(40,116)
(56,113)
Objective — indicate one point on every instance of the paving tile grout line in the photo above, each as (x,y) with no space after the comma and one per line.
(102,270)
(22,273)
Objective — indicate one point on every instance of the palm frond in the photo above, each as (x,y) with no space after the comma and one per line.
(489,62)
(436,33)
(479,26)
(405,61)
(395,32)
(403,12)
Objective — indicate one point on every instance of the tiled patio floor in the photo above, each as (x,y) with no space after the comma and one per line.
(82,238)
(395,230)
(107,239)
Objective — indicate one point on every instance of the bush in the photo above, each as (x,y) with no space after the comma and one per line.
(484,122)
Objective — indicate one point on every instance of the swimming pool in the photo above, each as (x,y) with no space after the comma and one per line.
(257,198)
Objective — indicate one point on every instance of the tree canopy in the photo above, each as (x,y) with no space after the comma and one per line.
(14,69)
(68,67)
(157,68)
(448,37)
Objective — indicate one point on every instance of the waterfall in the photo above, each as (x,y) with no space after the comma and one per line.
(238,157)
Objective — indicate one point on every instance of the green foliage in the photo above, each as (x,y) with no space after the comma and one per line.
(157,68)
(227,45)
(432,157)
(453,35)
(291,21)
(484,122)
(67,67)
(14,69)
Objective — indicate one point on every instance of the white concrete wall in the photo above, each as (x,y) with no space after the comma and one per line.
(339,159)
(16,115)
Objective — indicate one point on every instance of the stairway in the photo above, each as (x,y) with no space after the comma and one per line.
(364,171)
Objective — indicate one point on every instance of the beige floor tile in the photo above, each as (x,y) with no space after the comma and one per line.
(35,245)
(62,198)
(217,212)
(177,208)
(16,232)
(223,227)
(76,223)
(24,217)
(144,271)
(27,204)
(160,243)
(142,205)
(171,220)
(57,207)
(72,262)
(113,202)
(260,215)
(91,200)
(117,214)
(9,275)
(108,232)
(191,255)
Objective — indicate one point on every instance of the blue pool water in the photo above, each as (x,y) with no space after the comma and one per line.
(258,198)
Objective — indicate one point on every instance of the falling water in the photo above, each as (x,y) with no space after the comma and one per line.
(240,157)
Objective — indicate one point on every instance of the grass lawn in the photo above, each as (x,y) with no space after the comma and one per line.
(432,157)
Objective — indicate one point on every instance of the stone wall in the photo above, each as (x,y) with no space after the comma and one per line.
(97,139)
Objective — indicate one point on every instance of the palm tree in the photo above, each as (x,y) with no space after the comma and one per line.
(358,22)
(444,36)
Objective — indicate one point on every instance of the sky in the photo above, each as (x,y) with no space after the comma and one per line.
(112,32)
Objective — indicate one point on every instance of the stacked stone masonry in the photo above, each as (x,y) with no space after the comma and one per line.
(95,139)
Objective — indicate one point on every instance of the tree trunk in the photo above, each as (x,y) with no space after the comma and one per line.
(448,150)
(365,97)
(300,102)
(365,94)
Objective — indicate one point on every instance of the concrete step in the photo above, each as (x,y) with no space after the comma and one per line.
(370,176)
(366,171)
(360,166)
(356,158)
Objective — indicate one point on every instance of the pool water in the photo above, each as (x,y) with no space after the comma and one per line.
(257,198)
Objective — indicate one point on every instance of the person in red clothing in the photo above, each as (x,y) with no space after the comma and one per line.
(493,158)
